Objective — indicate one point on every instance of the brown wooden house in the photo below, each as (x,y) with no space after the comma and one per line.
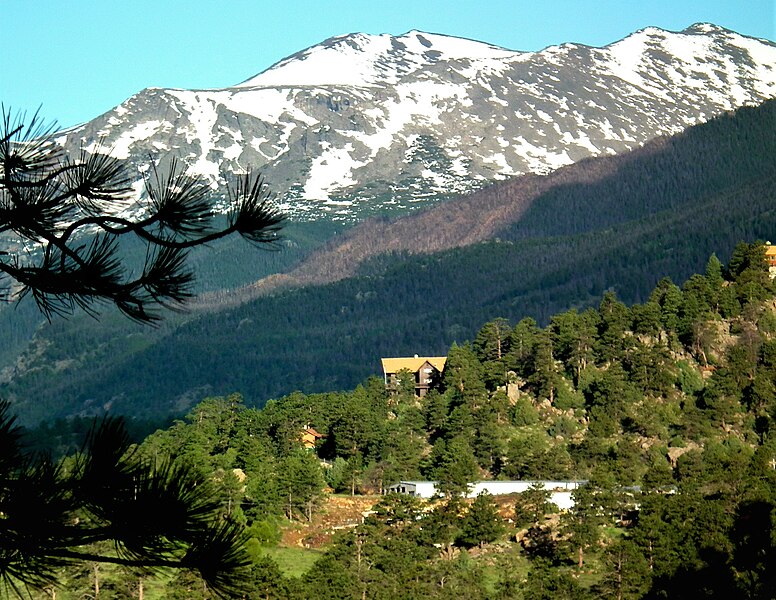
(426,369)
(770,258)
(310,437)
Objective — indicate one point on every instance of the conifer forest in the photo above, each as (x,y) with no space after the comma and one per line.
(664,410)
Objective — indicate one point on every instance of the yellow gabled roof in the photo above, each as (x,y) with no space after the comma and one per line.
(770,250)
(413,363)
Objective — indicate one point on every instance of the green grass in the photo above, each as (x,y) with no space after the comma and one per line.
(511,564)
(293,562)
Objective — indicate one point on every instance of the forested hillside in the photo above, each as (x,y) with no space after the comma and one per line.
(680,200)
(670,173)
(666,408)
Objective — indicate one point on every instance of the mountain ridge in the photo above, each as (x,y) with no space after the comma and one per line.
(315,131)
(407,125)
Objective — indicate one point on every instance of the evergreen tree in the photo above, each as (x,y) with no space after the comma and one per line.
(403,450)
(715,281)
(482,523)
(749,270)
(186,585)
(492,346)
(405,387)
(358,429)
(266,582)
(649,366)
(463,376)
(626,574)
(531,506)
(594,503)
(521,455)
(157,515)
(488,445)
(573,335)
(301,483)
(545,378)
(646,318)
(614,320)
(454,466)
(548,583)
(521,347)
(443,524)
(608,397)
(54,201)
(71,209)
(669,297)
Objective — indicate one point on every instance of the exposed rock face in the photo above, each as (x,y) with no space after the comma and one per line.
(364,124)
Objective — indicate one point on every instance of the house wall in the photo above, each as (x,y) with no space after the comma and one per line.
(560,491)
(562,499)
(516,487)
(420,489)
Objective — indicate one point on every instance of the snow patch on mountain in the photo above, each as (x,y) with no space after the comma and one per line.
(330,170)
(375,60)
(141,131)
(362,123)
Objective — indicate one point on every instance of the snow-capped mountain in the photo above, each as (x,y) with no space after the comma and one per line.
(367,123)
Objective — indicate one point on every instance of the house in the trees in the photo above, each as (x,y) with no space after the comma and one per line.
(770,258)
(426,370)
(309,437)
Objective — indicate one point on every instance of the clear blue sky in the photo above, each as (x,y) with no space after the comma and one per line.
(79,58)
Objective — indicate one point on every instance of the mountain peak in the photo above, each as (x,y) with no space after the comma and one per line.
(704,27)
(362,59)
(453,46)
(379,122)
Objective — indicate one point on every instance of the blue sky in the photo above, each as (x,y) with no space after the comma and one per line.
(79,58)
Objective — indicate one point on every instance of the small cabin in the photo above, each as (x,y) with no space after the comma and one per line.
(770,258)
(427,371)
(310,437)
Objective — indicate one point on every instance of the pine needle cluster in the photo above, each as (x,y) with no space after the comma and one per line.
(67,216)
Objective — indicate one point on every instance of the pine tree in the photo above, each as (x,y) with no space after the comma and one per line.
(301,484)
(454,465)
(70,209)
(482,524)
(626,574)
(492,346)
(573,335)
(157,515)
(531,506)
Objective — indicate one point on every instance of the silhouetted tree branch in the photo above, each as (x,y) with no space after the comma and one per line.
(63,219)
(156,515)
(68,216)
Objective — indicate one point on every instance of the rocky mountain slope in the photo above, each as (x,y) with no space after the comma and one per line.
(368,124)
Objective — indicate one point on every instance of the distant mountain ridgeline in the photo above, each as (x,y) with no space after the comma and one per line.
(616,223)
(363,125)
